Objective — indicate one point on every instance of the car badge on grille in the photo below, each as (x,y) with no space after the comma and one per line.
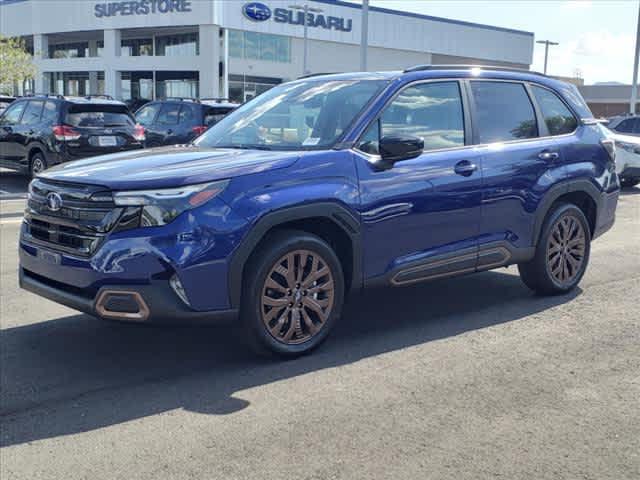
(54,201)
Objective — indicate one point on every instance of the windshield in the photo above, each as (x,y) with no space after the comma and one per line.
(294,116)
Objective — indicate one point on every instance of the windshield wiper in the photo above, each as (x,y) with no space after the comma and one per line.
(244,146)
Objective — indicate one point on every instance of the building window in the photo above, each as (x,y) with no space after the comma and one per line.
(177,84)
(183,45)
(136,85)
(259,46)
(69,50)
(136,47)
(243,88)
(76,83)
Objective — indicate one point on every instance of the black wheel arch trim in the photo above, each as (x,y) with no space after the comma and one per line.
(557,191)
(336,213)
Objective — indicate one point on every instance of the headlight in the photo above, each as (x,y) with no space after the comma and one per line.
(160,207)
(629,147)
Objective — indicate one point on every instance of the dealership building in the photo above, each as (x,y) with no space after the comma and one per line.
(233,48)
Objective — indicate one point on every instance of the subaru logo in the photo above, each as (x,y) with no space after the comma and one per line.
(256,11)
(54,201)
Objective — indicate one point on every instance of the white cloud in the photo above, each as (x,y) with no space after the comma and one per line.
(599,55)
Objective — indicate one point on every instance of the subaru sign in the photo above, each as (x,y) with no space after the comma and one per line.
(259,12)
(256,11)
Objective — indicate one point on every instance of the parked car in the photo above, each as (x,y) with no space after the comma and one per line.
(43,130)
(324,186)
(627,157)
(5,101)
(627,124)
(180,120)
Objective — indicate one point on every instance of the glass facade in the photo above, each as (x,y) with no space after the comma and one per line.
(69,50)
(136,47)
(243,88)
(259,46)
(177,84)
(183,45)
(136,85)
(75,83)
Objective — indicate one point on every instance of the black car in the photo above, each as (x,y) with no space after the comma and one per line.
(5,101)
(39,131)
(180,120)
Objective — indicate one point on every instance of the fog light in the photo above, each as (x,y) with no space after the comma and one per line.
(179,289)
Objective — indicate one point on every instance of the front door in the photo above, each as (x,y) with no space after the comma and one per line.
(421,217)
(11,148)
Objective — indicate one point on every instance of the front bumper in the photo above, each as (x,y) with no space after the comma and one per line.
(160,302)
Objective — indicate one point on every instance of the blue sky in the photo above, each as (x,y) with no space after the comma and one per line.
(596,37)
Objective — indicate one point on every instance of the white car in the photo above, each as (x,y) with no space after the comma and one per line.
(627,157)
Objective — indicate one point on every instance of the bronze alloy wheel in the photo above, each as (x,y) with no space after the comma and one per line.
(566,249)
(297,297)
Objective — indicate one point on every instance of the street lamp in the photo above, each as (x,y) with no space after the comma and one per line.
(306,9)
(546,51)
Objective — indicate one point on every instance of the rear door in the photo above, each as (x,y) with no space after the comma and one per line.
(164,129)
(519,162)
(10,144)
(103,128)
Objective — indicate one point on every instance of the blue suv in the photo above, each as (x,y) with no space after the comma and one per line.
(324,186)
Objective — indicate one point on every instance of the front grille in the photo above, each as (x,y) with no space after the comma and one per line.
(77,224)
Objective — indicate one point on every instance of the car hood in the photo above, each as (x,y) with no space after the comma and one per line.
(167,167)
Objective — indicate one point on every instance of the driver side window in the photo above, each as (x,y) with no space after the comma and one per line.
(431,111)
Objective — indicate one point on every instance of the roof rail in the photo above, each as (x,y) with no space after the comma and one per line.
(97,95)
(182,99)
(214,99)
(419,68)
(309,75)
(47,95)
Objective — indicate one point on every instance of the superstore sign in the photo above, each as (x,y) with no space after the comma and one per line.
(141,7)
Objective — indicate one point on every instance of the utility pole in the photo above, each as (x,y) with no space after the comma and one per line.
(634,84)
(546,51)
(364,39)
(305,9)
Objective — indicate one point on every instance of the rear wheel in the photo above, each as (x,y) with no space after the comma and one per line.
(37,164)
(562,253)
(293,294)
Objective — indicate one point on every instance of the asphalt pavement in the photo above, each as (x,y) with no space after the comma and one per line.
(467,378)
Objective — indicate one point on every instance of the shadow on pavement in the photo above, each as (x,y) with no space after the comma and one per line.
(13,184)
(86,374)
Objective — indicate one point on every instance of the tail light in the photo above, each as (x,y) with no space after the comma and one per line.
(610,146)
(139,133)
(65,133)
(199,130)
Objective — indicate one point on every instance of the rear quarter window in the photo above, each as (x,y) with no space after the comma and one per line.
(98,116)
(557,117)
(214,115)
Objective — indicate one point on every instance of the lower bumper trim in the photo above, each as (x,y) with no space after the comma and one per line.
(160,303)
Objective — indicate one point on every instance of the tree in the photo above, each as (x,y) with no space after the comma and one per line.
(16,64)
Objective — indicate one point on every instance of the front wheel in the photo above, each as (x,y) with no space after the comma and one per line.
(562,253)
(292,295)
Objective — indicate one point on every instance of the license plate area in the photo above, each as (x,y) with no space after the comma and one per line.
(107,141)
(48,257)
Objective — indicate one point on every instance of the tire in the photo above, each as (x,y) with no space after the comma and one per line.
(558,253)
(275,312)
(629,182)
(37,164)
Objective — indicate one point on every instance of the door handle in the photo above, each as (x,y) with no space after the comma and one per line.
(465,168)
(548,155)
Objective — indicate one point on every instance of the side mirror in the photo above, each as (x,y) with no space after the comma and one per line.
(394,148)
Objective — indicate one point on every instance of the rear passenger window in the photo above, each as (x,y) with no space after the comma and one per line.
(503,112)
(625,126)
(431,111)
(169,114)
(187,115)
(49,113)
(31,115)
(147,114)
(557,116)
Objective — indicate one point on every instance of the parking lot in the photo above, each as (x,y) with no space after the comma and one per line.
(473,377)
